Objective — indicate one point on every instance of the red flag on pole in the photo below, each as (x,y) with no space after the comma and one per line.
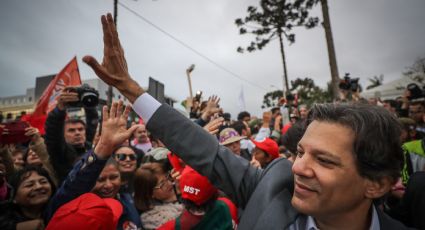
(68,76)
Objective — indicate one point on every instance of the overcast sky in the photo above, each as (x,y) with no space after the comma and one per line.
(372,37)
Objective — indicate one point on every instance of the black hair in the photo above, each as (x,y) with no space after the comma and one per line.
(75,121)
(292,136)
(19,176)
(238,126)
(242,115)
(377,146)
(275,109)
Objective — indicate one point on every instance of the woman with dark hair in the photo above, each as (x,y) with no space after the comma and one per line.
(37,154)
(154,196)
(33,190)
(97,172)
(126,157)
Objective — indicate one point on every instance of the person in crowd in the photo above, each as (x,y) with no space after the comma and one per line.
(303,111)
(231,139)
(6,170)
(414,201)
(265,151)
(348,156)
(126,158)
(291,138)
(243,129)
(33,189)
(414,153)
(18,157)
(68,140)
(210,109)
(244,116)
(203,209)
(154,196)
(88,211)
(417,112)
(98,172)
(141,139)
(36,153)
(293,118)
(391,105)
(408,129)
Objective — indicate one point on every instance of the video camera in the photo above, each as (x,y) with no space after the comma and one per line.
(87,96)
(349,83)
(415,91)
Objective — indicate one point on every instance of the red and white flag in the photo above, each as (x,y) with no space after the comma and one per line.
(68,76)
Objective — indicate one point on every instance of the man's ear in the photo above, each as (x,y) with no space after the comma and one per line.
(376,189)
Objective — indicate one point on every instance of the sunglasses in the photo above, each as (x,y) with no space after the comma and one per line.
(123,157)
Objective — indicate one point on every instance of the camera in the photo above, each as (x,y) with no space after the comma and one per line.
(198,95)
(415,91)
(87,96)
(349,83)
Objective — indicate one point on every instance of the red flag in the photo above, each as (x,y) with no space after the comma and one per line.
(68,76)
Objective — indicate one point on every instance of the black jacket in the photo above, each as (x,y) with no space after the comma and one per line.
(63,155)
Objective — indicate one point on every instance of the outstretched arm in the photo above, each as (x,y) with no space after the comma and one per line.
(194,145)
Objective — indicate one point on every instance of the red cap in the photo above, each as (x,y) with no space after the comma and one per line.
(269,146)
(88,211)
(195,187)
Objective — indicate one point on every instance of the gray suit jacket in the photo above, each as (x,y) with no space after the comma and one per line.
(265,195)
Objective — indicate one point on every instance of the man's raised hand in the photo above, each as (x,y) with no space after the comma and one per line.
(114,69)
(114,129)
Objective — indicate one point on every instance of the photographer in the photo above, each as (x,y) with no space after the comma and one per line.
(67,140)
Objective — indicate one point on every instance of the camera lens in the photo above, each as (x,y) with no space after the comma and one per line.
(89,99)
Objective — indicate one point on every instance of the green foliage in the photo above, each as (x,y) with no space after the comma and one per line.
(417,70)
(274,18)
(271,99)
(375,81)
(308,93)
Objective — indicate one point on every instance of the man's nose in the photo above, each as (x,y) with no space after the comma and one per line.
(303,166)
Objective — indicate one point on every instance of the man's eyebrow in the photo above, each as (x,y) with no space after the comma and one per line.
(327,154)
(323,153)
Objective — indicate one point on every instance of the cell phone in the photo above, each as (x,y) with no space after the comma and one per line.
(15,132)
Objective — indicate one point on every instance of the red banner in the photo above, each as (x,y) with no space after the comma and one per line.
(68,76)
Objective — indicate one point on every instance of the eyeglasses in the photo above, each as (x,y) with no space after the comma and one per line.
(161,184)
(123,157)
(168,179)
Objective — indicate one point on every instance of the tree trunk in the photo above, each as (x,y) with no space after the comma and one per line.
(331,49)
(285,73)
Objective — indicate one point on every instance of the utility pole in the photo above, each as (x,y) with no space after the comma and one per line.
(110,89)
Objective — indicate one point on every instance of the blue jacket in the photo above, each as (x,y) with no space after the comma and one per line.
(81,179)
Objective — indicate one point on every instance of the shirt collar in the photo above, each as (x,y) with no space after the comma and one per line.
(374,225)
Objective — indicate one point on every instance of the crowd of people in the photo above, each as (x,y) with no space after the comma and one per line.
(343,165)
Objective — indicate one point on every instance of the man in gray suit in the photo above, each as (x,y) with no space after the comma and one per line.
(349,156)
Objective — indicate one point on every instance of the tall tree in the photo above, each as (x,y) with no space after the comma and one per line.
(375,81)
(331,49)
(274,20)
(417,70)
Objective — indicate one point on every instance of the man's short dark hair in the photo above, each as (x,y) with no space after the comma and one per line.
(75,121)
(294,134)
(242,115)
(416,103)
(377,146)
(238,126)
(275,109)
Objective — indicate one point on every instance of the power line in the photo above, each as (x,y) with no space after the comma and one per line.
(190,48)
